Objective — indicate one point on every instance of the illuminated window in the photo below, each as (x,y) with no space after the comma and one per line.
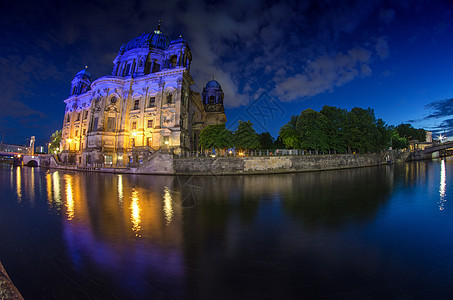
(150,141)
(152,102)
(150,123)
(136,104)
(166,140)
(134,125)
(108,159)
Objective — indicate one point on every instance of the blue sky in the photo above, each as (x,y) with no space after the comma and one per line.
(393,56)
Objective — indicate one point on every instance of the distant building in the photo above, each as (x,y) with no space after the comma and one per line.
(145,104)
(13,148)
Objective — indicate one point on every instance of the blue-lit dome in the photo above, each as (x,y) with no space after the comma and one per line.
(213,84)
(156,39)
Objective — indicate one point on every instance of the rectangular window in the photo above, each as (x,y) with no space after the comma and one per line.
(150,123)
(68,119)
(95,124)
(110,124)
(132,142)
(78,117)
(152,102)
(108,159)
(84,131)
(76,133)
(85,114)
(136,104)
(134,125)
(150,141)
(169,98)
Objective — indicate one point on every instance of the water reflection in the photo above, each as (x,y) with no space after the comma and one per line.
(135,213)
(168,209)
(443,184)
(120,188)
(69,197)
(138,237)
(19,183)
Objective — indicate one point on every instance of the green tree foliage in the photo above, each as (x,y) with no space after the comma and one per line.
(336,127)
(278,144)
(411,133)
(266,140)
(55,140)
(289,134)
(245,137)
(312,127)
(216,136)
(338,130)
(397,141)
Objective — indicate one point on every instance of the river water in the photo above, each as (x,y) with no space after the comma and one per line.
(360,233)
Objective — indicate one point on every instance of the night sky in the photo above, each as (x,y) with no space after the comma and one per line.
(272,58)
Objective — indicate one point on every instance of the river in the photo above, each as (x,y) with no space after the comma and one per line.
(360,233)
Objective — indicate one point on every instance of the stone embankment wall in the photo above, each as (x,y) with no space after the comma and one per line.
(279,164)
(7,288)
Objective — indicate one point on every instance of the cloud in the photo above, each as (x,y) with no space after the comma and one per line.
(382,48)
(440,108)
(325,73)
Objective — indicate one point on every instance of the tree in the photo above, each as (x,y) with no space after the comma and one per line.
(245,137)
(398,142)
(361,131)
(278,144)
(266,140)
(216,136)
(336,125)
(410,133)
(312,129)
(289,134)
(55,140)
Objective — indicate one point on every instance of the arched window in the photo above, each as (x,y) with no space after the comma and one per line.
(148,65)
(169,98)
(173,61)
(211,100)
(156,66)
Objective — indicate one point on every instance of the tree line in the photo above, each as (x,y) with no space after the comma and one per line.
(331,130)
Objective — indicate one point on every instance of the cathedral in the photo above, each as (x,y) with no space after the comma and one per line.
(146,104)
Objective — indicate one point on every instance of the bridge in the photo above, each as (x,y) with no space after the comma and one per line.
(428,151)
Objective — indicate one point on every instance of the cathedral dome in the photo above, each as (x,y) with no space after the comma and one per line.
(156,39)
(213,84)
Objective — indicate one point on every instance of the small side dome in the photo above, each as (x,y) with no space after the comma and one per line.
(84,72)
(213,84)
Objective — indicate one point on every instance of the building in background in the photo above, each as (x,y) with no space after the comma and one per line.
(146,104)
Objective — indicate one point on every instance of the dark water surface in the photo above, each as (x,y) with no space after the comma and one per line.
(360,233)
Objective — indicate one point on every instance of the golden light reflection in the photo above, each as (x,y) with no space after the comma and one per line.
(49,188)
(135,213)
(32,185)
(69,197)
(120,188)
(168,208)
(443,183)
(18,184)
(56,188)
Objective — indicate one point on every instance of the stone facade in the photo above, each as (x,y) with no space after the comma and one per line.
(146,104)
